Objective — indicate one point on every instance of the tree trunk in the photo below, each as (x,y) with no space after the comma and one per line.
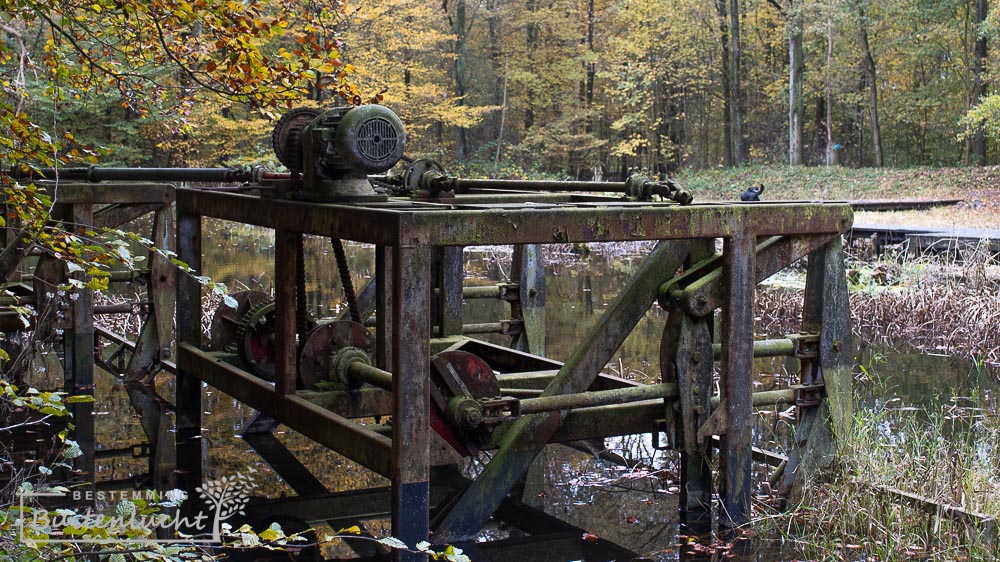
(868,62)
(979,83)
(737,103)
(830,151)
(796,71)
(530,43)
(727,121)
(591,66)
(459,75)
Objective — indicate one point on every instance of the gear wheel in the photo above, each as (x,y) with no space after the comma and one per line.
(255,340)
(286,139)
(227,319)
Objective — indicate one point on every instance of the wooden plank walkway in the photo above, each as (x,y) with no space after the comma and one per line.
(901,204)
(919,239)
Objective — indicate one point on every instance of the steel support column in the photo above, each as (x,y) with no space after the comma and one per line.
(187,386)
(528,271)
(739,278)
(286,244)
(411,288)
(449,278)
(383,307)
(825,310)
(78,343)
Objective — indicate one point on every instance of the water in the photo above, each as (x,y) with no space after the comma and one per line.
(634,506)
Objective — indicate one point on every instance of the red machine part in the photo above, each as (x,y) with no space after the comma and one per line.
(460,374)
(323,341)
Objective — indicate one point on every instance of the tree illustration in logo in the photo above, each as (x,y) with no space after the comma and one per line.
(229,495)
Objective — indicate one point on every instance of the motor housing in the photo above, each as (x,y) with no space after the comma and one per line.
(336,149)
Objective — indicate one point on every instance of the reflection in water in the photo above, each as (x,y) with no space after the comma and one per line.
(632,505)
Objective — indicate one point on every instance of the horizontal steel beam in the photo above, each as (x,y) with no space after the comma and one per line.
(610,222)
(402,222)
(356,442)
(370,224)
(82,193)
(335,509)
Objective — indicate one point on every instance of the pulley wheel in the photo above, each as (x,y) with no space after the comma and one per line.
(323,341)
(286,138)
(460,373)
(226,322)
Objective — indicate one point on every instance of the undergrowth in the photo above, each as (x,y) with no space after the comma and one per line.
(943,453)
(931,303)
(801,182)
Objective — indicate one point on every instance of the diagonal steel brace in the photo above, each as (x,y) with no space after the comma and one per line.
(525,438)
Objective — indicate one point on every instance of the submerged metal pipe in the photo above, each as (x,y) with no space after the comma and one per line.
(598,398)
(766,398)
(781,347)
(371,375)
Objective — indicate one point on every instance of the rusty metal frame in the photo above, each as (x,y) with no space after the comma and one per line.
(412,238)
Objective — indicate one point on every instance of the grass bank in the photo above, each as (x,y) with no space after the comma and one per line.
(800,182)
(941,455)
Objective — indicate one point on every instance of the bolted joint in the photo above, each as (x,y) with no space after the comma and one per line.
(640,188)
(341,362)
(636,187)
(465,412)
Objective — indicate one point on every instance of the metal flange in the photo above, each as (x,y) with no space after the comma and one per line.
(322,343)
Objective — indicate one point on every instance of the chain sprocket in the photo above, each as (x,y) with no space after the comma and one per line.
(255,340)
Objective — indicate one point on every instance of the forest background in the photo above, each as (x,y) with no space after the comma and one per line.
(586,89)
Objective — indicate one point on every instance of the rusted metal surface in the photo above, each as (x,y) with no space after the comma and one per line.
(285,267)
(826,311)
(113,216)
(78,344)
(524,439)
(156,336)
(354,441)
(449,294)
(739,279)
(598,398)
(411,396)
(187,386)
(125,193)
(437,225)
(779,347)
(416,297)
(317,352)
(528,271)
(701,289)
